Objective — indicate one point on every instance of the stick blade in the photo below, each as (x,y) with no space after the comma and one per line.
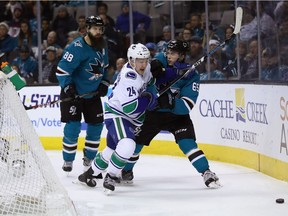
(238,21)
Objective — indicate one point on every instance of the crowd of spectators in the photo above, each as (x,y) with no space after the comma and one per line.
(237,60)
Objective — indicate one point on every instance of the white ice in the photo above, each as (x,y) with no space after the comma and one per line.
(165,185)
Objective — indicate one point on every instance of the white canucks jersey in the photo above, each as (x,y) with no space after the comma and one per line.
(123,101)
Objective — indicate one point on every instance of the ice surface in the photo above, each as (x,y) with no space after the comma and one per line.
(165,185)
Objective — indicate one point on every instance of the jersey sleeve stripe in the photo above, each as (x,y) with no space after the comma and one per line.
(188,102)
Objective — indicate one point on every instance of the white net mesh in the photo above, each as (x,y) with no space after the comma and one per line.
(28,183)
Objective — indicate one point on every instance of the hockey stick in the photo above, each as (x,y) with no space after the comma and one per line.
(239,14)
(61,100)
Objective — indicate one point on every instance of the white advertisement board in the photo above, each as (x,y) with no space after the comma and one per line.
(252,117)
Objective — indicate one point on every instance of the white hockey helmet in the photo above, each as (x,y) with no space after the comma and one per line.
(137,51)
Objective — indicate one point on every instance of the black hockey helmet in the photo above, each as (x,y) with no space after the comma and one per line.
(94,20)
(178,46)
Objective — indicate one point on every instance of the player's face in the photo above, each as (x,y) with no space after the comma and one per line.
(140,65)
(95,32)
(172,56)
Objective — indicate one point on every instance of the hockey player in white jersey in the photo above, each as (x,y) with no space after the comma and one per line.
(133,92)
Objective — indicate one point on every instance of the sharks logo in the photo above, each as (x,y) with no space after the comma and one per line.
(77,43)
(96,68)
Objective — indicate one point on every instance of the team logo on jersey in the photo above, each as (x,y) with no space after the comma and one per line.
(95,68)
(131,75)
(77,43)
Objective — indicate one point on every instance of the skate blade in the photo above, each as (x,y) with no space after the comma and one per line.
(123,182)
(107,192)
(215,185)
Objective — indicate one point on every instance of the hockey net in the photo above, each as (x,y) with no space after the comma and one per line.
(28,182)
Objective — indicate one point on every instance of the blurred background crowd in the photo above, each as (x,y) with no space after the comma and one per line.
(258,53)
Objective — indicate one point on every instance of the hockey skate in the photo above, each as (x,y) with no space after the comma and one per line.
(67,166)
(109,183)
(88,178)
(211,180)
(127,177)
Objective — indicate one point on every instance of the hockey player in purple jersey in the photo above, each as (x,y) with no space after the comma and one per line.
(173,115)
(82,70)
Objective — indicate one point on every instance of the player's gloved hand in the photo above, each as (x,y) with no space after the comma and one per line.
(70,91)
(152,99)
(157,68)
(166,100)
(103,88)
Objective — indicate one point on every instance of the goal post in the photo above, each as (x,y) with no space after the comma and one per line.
(28,183)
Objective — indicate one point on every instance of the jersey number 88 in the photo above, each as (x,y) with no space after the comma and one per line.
(68,56)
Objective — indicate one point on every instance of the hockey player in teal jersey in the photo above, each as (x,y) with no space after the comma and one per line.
(173,115)
(82,70)
(133,92)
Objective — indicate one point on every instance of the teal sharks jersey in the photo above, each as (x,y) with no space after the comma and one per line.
(83,66)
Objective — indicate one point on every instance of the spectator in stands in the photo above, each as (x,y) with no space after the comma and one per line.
(271,68)
(211,69)
(252,61)
(119,64)
(52,41)
(7,43)
(167,36)
(219,55)
(81,25)
(267,24)
(231,70)
(229,47)
(45,29)
(14,23)
(186,34)
(152,48)
(102,8)
(280,12)
(195,25)
(27,64)
(141,23)
(9,8)
(50,66)
(25,36)
(196,52)
(62,24)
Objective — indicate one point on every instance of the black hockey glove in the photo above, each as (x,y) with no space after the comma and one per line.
(157,68)
(103,88)
(166,100)
(70,91)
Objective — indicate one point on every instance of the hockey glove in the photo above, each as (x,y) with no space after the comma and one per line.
(70,91)
(103,88)
(152,99)
(157,68)
(166,100)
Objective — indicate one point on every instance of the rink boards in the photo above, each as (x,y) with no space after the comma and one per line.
(245,124)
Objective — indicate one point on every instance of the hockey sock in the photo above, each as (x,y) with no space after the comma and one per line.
(195,155)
